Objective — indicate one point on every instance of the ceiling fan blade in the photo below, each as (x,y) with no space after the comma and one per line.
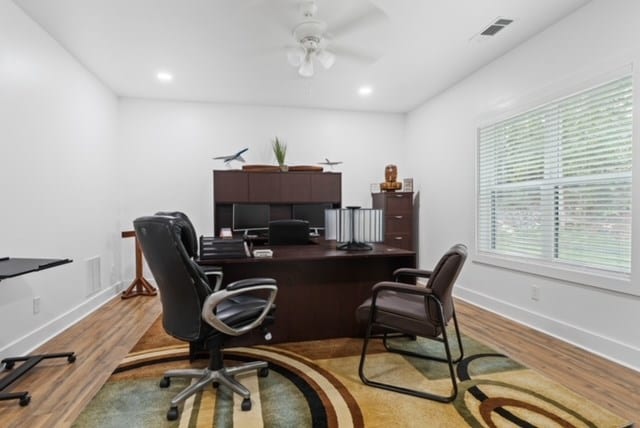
(354,54)
(371,16)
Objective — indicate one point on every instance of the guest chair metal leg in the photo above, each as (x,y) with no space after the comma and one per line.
(403,390)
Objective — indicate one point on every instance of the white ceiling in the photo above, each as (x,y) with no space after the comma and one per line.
(233,51)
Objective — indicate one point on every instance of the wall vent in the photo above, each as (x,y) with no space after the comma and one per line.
(93,282)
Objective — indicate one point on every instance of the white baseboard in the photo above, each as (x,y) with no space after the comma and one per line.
(36,338)
(605,347)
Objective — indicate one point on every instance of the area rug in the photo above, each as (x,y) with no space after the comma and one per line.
(316,384)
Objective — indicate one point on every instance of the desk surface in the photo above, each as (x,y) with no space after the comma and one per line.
(320,251)
(10,267)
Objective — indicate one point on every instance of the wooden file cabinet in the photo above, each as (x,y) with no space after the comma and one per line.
(397,209)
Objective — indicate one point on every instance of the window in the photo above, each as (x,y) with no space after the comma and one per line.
(554,183)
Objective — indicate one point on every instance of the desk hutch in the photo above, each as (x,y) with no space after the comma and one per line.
(278,189)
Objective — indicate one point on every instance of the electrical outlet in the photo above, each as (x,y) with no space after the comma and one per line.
(36,305)
(535,293)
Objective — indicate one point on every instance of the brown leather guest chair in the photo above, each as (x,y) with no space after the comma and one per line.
(414,310)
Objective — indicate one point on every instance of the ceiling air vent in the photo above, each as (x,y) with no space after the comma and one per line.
(498,25)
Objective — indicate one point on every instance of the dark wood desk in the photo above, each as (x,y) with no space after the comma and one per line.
(319,287)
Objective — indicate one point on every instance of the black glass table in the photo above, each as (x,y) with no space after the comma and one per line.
(9,268)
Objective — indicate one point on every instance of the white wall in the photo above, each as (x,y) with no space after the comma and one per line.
(58,169)
(441,138)
(167,150)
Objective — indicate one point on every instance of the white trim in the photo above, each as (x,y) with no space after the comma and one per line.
(619,352)
(579,275)
(46,332)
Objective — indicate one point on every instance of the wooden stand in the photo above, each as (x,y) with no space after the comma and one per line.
(140,286)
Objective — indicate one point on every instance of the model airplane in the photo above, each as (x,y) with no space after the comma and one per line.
(237,156)
(330,163)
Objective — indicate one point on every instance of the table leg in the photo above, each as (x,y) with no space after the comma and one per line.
(140,286)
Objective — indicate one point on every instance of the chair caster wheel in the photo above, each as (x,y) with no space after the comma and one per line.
(71,358)
(215,384)
(9,365)
(263,372)
(25,400)
(173,414)
(246,404)
(165,382)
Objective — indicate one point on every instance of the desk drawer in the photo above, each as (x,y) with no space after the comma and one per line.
(398,240)
(398,223)
(397,203)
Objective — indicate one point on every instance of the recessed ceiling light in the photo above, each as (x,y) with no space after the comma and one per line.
(365,90)
(163,76)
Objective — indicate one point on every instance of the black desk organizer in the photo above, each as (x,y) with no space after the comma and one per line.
(10,268)
(215,248)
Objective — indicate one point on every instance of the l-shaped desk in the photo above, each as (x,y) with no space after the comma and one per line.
(319,287)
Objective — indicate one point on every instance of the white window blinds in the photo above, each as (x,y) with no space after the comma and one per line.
(554,183)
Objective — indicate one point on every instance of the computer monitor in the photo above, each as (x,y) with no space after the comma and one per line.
(248,217)
(313,213)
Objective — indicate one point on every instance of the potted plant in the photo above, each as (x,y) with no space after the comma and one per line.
(280,151)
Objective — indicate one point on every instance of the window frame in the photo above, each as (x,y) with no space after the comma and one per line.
(568,272)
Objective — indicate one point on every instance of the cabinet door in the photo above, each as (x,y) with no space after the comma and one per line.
(295,187)
(326,187)
(264,187)
(230,186)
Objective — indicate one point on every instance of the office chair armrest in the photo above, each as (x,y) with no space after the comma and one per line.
(411,273)
(214,272)
(239,287)
(244,283)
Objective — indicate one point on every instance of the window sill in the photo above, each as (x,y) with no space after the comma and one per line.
(591,277)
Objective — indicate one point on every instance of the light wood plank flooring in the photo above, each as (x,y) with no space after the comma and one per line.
(61,390)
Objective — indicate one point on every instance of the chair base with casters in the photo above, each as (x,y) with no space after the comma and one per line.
(214,377)
(397,308)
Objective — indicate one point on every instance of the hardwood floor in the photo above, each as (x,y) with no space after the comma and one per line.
(608,384)
(60,390)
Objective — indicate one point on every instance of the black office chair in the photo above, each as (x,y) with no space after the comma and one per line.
(193,312)
(288,232)
(191,245)
(413,310)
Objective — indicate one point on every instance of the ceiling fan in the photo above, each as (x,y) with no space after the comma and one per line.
(313,39)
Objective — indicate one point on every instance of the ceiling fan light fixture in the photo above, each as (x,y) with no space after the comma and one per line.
(296,55)
(326,58)
(306,69)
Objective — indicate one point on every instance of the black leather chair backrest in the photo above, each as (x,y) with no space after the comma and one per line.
(190,239)
(183,287)
(288,232)
(443,278)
